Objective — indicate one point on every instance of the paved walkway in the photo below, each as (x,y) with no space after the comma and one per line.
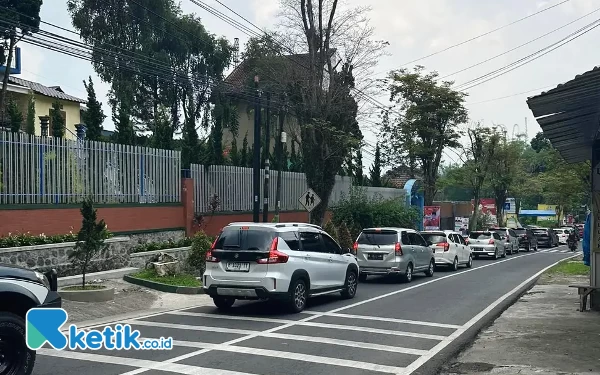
(542,334)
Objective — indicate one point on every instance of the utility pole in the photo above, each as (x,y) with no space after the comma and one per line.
(267,161)
(279,157)
(256,156)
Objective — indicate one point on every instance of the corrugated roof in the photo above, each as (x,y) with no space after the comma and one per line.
(569,115)
(38,88)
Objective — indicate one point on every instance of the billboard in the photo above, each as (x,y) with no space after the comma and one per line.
(431,217)
(461,223)
(486,206)
(547,207)
(15,64)
(510,206)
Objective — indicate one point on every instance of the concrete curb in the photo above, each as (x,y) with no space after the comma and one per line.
(103,275)
(91,295)
(163,287)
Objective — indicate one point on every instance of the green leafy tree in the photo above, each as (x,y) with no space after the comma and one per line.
(504,173)
(375,171)
(124,131)
(20,18)
(30,121)
(90,239)
(162,136)
(358,175)
(15,116)
(57,120)
(426,120)
(94,116)
(244,154)
(540,142)
(234,154)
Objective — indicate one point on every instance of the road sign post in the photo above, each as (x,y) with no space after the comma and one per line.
(309,200)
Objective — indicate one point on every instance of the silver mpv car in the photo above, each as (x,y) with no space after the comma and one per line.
(393,251)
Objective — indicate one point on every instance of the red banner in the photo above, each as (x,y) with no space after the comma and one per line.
(486,205)
(431,217)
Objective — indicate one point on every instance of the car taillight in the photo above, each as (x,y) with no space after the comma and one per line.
(355,248)
(210,258)
(398,249)
(445,245)
(491,242)
(275,256)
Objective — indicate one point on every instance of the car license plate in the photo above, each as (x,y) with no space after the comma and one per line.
(375,256)
(238,266)
(477,249)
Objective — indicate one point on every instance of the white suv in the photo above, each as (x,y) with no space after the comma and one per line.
(290,262)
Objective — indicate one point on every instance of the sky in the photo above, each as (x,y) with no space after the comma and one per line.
(414,29)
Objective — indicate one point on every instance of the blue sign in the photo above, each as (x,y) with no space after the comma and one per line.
(506,206)
(15,65)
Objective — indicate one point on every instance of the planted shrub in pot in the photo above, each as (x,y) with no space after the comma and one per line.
(90,241)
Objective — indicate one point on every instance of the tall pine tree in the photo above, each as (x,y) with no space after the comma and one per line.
(376,168)
(125,133)
(58,121)
(234,154)
(94,116)
(244,155)
(30,121)
(190,150)
(358,168)
(15,116)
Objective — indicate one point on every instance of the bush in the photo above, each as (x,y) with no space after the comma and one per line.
(331,230)
(27,239)
(170,244)
(357,211)
(346,240)
(201,243)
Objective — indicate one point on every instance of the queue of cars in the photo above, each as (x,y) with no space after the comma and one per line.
(291,262)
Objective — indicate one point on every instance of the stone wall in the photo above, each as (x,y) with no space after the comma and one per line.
(162,236)
(139,260)
(46,257)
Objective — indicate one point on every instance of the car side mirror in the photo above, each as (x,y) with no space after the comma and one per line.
(429,243)
(347,250)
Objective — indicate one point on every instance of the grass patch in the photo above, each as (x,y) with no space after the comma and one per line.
(181,279)
(569,268)
(87,287)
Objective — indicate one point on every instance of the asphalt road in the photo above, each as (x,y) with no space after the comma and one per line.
(390,327)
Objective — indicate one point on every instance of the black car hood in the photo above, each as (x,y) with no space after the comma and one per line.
(15,272)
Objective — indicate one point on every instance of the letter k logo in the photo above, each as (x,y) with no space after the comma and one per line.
(43,325)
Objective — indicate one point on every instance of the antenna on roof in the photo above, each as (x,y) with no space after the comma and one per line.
(236,51)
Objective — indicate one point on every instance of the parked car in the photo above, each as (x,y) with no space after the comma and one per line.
(527,240)
(287,262)
(21,289)
(510,239)
(487,243)
(546,237)
(450,249)
(393,251)
(563,234)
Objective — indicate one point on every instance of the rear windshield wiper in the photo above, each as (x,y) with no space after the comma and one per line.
(369,236)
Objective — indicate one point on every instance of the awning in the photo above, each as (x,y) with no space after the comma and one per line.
(537,213)
(569,115)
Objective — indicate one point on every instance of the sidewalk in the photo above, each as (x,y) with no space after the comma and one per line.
(542,333)
(130,300)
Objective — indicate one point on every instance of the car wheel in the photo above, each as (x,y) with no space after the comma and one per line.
(351,284)
(362,277)
(15,357)
(298,296)
(455,264)
(496,256)
(409,273)
(470,262)
(504,253)
(223,303)
(431,268)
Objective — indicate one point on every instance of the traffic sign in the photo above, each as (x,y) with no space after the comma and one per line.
(309,200)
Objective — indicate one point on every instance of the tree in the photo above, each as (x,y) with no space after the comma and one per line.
(504,173)
(358,176)
(20,18)
(30,121)
(58,121)
(540,142)
(321,97)
(162,138)
(244,154)
(376,168)
(90,239)
(234,154)
(124,131)
(425,121)
(15,116)
(94,116)
(482,148)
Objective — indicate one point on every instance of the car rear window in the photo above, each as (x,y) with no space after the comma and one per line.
(242,239)
(434,237)
(521,231)
(384,237)
(480,235)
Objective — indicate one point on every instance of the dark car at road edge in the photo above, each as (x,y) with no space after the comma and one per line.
(527,240)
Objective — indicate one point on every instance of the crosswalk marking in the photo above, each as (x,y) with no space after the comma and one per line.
(143,364)
(293,356)
(391,320)
(290,322)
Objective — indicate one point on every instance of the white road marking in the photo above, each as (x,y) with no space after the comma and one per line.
(291,323)
(257,334)
(553,251)
(439,347)
(144,364)
(390,320)
(292,356)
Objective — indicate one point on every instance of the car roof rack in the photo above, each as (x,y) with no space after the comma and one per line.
(285,225)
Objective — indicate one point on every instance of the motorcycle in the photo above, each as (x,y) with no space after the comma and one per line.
(572,245)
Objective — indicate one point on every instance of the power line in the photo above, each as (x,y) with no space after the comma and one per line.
(501,73)
(511,95)
(521,45)
(481,35)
